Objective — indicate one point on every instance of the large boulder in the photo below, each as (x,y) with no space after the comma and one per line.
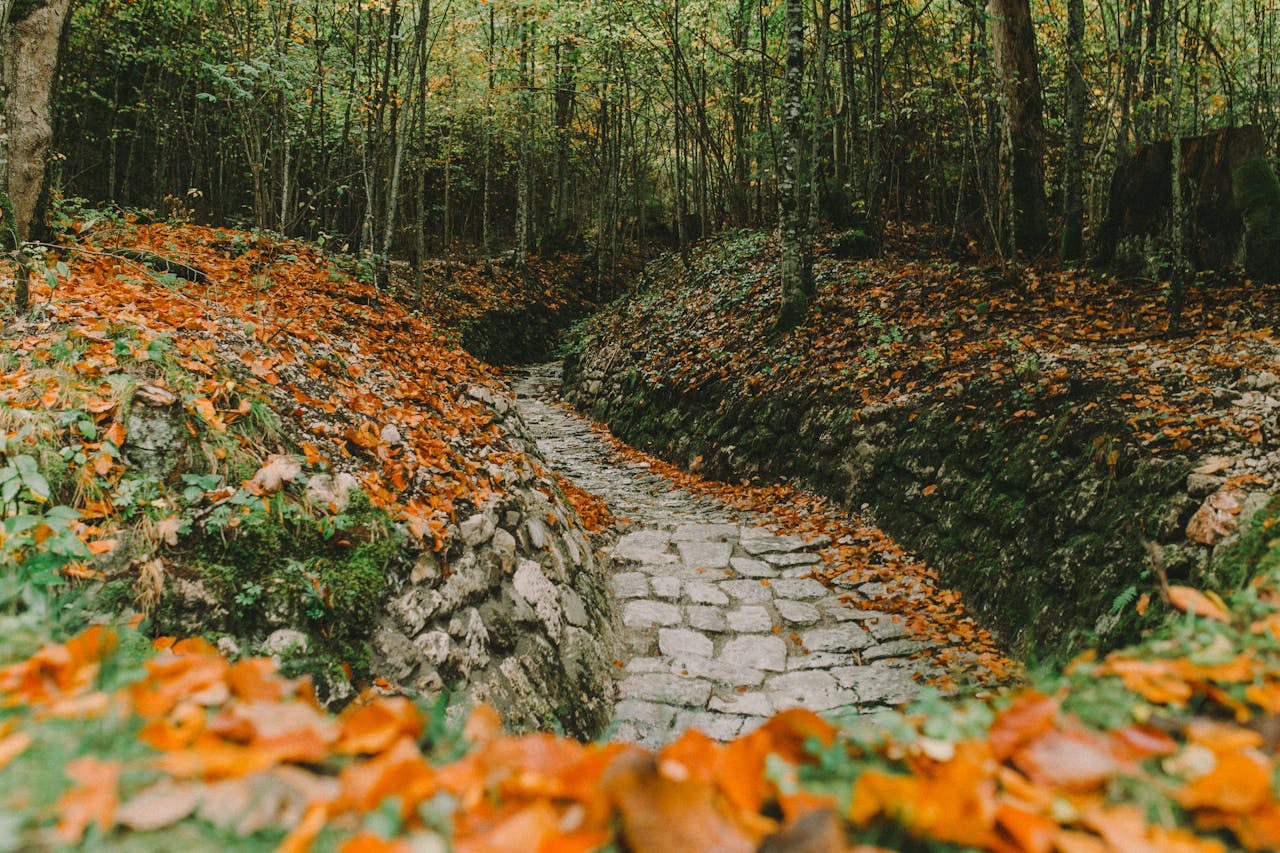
(1232,198)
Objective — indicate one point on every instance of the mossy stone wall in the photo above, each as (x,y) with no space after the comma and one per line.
(1039,522)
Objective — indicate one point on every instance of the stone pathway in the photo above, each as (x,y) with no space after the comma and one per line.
(722,624)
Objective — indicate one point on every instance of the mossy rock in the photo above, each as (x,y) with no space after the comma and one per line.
(1257,192)
(285,568)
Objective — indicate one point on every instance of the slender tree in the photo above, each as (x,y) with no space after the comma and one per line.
(794,263)
(1073,143)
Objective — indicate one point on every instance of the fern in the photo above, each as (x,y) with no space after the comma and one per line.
(1124,599)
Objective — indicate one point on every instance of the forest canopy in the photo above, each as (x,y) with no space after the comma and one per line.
(400,127)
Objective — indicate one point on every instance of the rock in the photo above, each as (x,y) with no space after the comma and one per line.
(412,609)
(756,652)
(630,585)
(645,614)
(397,655)
(705,533)
(706,618)
(470,581)
(842,638)
(1216,517)
(644,546)
(575,610)
(504,545)
(390,434)
(747,590)
(539,536)
(800,588)
(331,491)
(700,554)
(719,671)
(876,684)
(434,646)
(750,619)
(812,689)
(752,704)
(797,612)
(477,530)
(155,441)
(703,592)
(1203,485)
(752,568)
(801,558)
(679,642)
(154,396)
(541,595)
(669,689)
(286,641)
(1265,380)
(666,587)
(426,569)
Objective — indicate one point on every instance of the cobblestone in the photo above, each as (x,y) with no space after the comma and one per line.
(709,601)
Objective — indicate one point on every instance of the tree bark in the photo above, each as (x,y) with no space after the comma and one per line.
(794,262)
(1022,144)
(31,47)
(1073,146)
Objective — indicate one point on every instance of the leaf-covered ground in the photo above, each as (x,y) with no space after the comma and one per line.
(152,426)
(1017,339)
(108,740)
(1171,746)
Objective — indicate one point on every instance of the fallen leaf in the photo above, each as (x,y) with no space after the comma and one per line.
(1193,601)
(278,470)
(162,804)
(90,801)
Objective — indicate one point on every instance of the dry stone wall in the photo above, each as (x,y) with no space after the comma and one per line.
(1041,524)
(515,615)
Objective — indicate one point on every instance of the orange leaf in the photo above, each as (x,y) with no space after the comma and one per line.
(662,815)
(92,800)
(1034,833)
(1189,600)
(376,726)
(12,746)
(1031,715)
(115,434)
(1075,761)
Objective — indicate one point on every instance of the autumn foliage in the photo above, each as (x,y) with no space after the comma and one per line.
(1181,758)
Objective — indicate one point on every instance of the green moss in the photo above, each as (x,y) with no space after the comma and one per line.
(1257,191)
(325,577)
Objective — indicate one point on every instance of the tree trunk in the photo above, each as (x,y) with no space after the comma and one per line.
(817,162)
(875,151)
(29,48)
(794,261)
(1177,210)
(524,125)
(1072,154)
(1022,155)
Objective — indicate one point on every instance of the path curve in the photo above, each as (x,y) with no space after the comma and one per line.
(720,620)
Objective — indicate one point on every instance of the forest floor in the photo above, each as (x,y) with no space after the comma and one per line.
(110,738)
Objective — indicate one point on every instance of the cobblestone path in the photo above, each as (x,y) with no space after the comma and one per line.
(722,625)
